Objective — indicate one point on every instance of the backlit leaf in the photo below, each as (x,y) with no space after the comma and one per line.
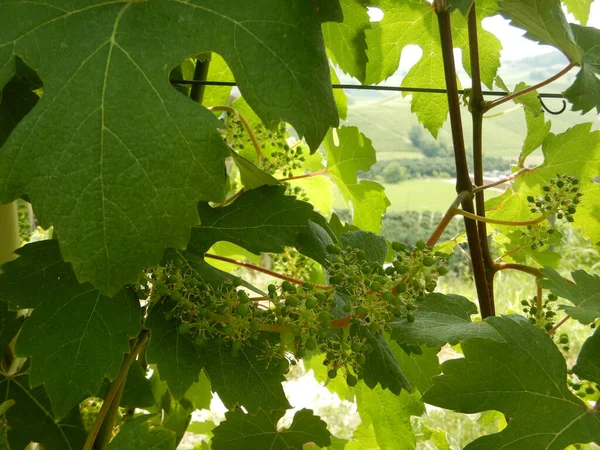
(259,431)
(349,151)
(139,433)
(442,319)
(588,361)
(525,378)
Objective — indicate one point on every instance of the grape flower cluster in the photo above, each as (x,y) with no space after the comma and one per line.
(364,297)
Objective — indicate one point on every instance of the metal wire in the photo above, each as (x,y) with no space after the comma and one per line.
(360,87)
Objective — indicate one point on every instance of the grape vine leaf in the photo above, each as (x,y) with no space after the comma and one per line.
(530,100)
(580,9)
(525,378)
(462,5)
(584,93)
(31,420)
(139,433)
(373,245)
(588,361)
(419,369)
(16,100)
(252,177)
(544,21)
(442,319)
(105,179)
(562,154)
(346,41)
(88,334)
(584,293)
(348,151)
(218,70)
(238,379)
(381,367)
(259,431)
(138,389)
(406,23)
(537,130)
(9,325)
(339,95)
(260,220)
(389,414)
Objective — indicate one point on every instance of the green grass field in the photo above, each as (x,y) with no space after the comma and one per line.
(389,156)
(422,195)
(388,122)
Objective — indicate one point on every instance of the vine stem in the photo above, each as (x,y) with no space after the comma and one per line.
(246,125)
(463,180)
(477,107)
(308,175)
(520,267)
(140,342)
(437,233)
(503,180)
(499,221)
(514,95)
(558,325)
(265,271)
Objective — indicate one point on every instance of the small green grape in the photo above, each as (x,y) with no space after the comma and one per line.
(310,303)
(169,316)
(332,373)
(243,297)
(242,310)
(162,290)
(428,261)
(236,346)
(200,341)
(311,344)
(184,328)
(351,380)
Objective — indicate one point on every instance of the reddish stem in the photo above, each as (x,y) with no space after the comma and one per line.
(514,95)
(503,180)
(558,325)
(308,175)
(437,233)
(263,270)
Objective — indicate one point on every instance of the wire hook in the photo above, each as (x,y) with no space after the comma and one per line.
(549,111)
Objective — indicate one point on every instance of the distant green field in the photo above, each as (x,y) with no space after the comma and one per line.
(422,195)
(388,122)
(387,156)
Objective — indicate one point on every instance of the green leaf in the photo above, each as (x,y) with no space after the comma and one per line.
(406,23)
(138,389)
(17,99)
(442,319)
(562,154)
(31,418)
(88,334)
(588,361)
(346,41)
(179,361)
(259,431)
(530,100)
(138,433)
(125,131)
(363,438)
(543,21)
(349,151)
(419,369)
(241,379)
(580,9)
(252,177)
(584,94)
(218,70)
(462,5)
(381,367)
(340,97)
(584,293)
(260,220)
(525,378)
(389,415)
(537,130)
(9,324)
(374,246)
(200,393)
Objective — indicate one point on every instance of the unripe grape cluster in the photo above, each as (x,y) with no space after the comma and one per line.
(543,318)
(561,197)
(364,295)
(582,388)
